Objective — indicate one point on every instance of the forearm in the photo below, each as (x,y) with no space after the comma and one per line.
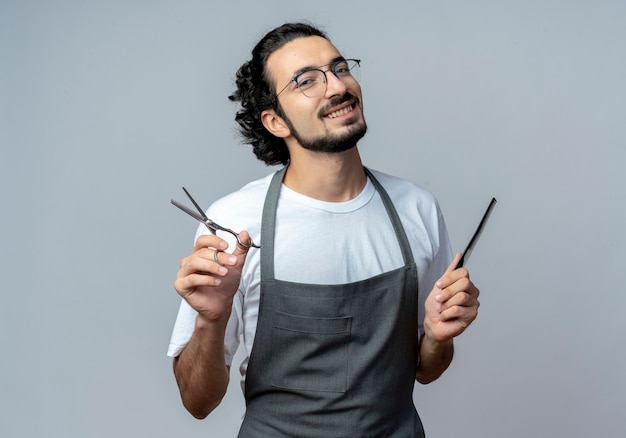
(435,357)
(200,369)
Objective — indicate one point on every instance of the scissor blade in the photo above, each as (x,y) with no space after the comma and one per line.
(189,211)
(200,210)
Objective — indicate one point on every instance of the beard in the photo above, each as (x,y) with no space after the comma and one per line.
(333,143)
(329,143)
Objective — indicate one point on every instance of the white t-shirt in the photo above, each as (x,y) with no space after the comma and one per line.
(323,243)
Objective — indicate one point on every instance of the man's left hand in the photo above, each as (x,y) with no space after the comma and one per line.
(452,305)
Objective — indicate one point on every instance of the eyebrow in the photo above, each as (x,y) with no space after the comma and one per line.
(313,67)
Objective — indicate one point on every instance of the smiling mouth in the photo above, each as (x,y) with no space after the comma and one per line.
(340,112)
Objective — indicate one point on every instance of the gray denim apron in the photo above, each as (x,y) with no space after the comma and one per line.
(333,360)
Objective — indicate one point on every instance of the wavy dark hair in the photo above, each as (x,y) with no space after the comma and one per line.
(256,93)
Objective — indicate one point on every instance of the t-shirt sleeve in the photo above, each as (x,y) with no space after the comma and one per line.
(183,329)
(442,256)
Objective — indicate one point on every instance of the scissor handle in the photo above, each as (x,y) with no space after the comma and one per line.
(213,226)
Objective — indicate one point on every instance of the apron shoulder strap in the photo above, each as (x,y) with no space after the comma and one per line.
(403,240)
(268,224)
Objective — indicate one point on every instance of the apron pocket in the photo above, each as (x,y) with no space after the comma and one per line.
(315,352)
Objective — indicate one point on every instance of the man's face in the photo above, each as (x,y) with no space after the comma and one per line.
(331,122)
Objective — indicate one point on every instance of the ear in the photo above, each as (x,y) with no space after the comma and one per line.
(275,124)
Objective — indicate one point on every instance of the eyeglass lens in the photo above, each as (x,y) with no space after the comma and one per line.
(312,83)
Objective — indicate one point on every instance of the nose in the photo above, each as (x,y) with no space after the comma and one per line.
(334,85)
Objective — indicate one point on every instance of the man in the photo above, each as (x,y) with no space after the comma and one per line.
(353,295)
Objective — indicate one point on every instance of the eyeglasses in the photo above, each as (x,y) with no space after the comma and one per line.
(312,82)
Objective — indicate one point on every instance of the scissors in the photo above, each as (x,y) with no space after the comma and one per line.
(213,226)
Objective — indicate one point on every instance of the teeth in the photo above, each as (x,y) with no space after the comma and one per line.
(341,112)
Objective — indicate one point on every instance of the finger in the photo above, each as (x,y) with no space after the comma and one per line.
(241,250)
(463,314)
(203,263)
(454,262)
(461,299)
(456,286)
(462,284)
(216,257)
(445,280)
(224,259)
(193,282)
(210,241)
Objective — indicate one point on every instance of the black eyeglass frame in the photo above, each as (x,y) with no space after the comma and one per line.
(333,68)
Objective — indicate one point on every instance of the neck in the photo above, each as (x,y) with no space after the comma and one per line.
(334,177)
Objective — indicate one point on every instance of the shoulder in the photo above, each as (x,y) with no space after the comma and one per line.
(249,196)
(422,218)
(241,209)
(402,191)
(417,207)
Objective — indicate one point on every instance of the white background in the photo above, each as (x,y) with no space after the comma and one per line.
(108,108)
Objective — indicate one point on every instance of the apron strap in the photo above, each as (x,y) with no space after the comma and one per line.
(267,225)
(403,240)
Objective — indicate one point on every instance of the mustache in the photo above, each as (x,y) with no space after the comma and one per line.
(338,100)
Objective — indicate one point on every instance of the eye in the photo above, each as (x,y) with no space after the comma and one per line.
(309,79)
(342,68)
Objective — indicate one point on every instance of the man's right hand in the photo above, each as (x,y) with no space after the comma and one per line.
(209,285)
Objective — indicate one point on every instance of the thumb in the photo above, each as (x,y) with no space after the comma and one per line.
(241,250)
(455,261)
(442,283)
